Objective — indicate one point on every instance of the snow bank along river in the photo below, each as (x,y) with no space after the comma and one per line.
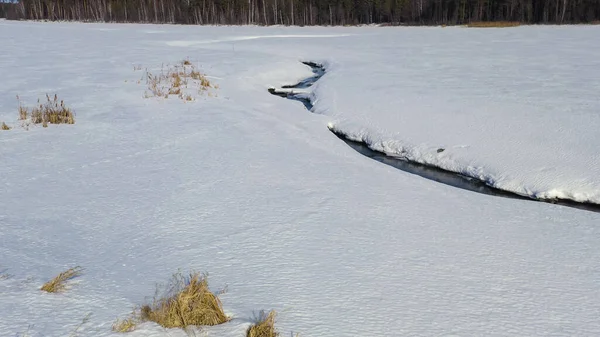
(426,171)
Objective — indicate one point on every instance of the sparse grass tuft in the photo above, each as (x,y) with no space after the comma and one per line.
(4,127)
(23,112)
(493,24)
(125,325)
(59,283)
(187,302)
(180,80)
(53,111)
(83,321)
(264,327)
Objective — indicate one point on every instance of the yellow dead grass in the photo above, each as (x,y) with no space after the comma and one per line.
(125,325)
(187,302)
(52,111)
(265,327)
(182,80)
(59,283)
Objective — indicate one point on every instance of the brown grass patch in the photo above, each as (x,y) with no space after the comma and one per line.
(53,111)
(264,327)
(125,325)
(59,283)
(493,24)
(187,301)
(4,127)
(182,80)
(23,111)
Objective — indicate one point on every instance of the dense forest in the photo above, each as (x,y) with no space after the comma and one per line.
(305,12)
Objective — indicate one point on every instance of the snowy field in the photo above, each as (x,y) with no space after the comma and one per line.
(256,191)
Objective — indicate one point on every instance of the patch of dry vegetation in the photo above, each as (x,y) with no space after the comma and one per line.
(493,24)
(182,80)
(4,127)
(52,111)
(125,325)
(23,111)
(186,302)
(59,283)
(264,327)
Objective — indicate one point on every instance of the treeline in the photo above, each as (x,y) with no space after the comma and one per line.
(305,12)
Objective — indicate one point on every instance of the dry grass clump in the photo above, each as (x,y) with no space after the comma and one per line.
(4,127)
(23,111)
(493,24)
(125,325)
(53,111)
(59,283)
(264,327)
(180,80)
(186,302)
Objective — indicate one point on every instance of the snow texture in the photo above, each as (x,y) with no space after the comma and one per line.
(516,108)
(258,192)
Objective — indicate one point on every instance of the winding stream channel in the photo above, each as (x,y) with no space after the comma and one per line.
(425,171)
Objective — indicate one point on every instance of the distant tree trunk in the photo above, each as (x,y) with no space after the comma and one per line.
(264,7)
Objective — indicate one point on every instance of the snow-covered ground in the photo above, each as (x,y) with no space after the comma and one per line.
(517,108)
(259,193)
